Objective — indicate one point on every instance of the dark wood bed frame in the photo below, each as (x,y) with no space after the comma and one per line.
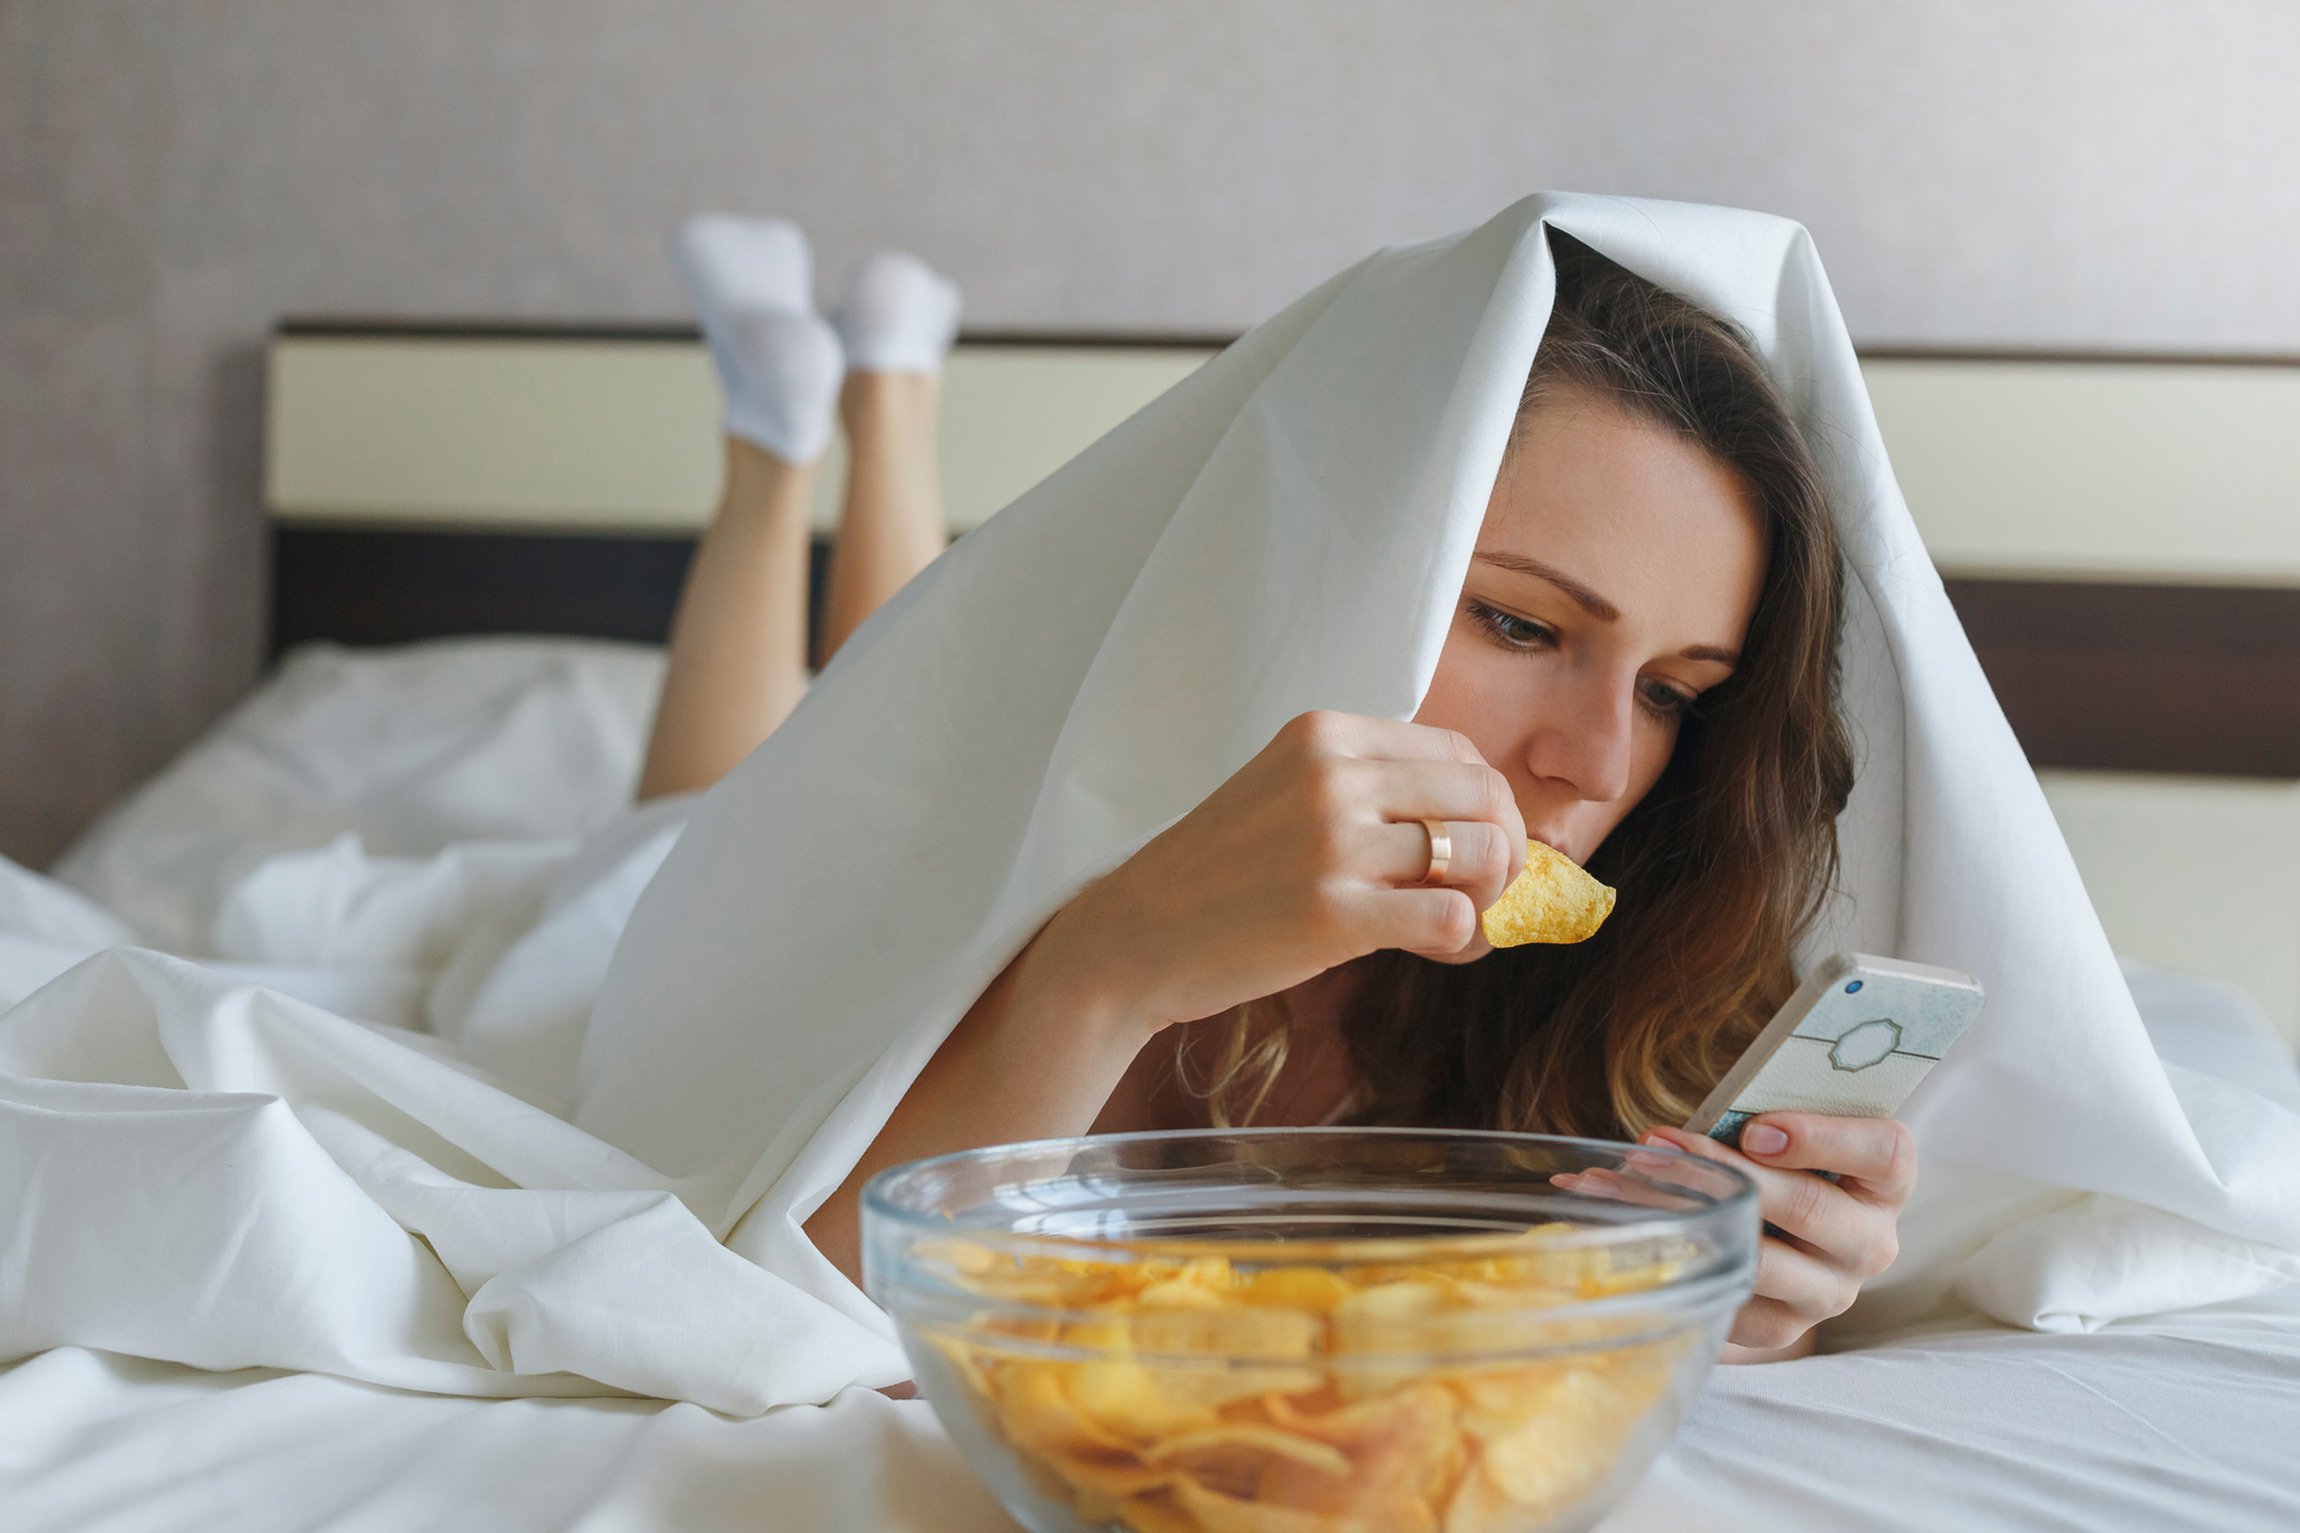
(2092,674)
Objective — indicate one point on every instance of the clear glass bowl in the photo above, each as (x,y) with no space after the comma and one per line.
(1310,1330)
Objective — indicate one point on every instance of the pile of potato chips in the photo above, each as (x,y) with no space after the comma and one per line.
(1232,1396)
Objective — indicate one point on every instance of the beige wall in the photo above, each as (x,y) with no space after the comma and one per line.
(173,177)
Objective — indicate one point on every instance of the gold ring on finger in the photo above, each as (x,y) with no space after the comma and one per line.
(1441,852)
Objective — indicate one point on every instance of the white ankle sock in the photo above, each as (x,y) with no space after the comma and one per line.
(751,280)
(900,315)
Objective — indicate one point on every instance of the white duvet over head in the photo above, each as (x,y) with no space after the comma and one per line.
(533,1198)
(1286,530)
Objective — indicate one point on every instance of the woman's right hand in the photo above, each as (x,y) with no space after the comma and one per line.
(1311,855)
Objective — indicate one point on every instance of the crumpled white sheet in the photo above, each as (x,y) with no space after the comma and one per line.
(347,1119)
(93,1441)
(438,837)
(409,751)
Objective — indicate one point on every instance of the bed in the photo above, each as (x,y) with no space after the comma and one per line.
(464,617)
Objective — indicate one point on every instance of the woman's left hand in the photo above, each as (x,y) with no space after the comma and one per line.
(1832,1237)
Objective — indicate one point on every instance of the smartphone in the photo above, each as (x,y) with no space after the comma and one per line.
(1854,1040)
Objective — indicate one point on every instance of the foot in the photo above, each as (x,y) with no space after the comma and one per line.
(780,363)
(900,315)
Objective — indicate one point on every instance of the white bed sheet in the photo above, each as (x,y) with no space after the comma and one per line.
(2189,1420)
(410,750)
(2181,1422)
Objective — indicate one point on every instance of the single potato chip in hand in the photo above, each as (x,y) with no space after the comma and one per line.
(1553,900)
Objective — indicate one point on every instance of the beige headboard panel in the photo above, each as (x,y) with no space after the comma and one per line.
(2154,472)
(621,435)
(2166,472)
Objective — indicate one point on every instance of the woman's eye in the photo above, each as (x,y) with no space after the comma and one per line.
(1512,630)
(1663,700)
(1657,698)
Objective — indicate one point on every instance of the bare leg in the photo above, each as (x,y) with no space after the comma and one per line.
(891,525)
(738,650)
(738,646)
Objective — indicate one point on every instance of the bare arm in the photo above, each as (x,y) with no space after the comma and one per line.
(1309,856)
(1034,1058)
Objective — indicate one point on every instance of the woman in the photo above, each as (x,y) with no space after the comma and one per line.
(1640,671)
(1037,793)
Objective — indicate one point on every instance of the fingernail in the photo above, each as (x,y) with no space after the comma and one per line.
(1763,1139)
(1654,1139)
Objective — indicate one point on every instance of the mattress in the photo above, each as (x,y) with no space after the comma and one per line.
(472,756)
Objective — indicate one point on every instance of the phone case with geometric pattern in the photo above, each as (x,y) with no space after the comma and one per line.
(1854,1041)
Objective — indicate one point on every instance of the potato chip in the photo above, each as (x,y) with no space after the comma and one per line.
(1149,1514)
(1041,1410)
(1404,1448)
(1478,1506)
(1113,1479)
(1562,1449)
(1302,1288)
(1216,1512)
(1553,900)
(1118,1394)
(1234,1439)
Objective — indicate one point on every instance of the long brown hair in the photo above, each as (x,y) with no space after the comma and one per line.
(1723,865)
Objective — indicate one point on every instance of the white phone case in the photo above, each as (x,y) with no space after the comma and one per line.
(1854,1041)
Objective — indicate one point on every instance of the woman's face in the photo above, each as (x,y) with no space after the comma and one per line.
(1613,583)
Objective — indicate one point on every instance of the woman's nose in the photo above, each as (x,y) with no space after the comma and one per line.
(1586,746)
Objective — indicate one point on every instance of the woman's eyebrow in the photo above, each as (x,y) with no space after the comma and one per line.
(1592,603)
(1586,599)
